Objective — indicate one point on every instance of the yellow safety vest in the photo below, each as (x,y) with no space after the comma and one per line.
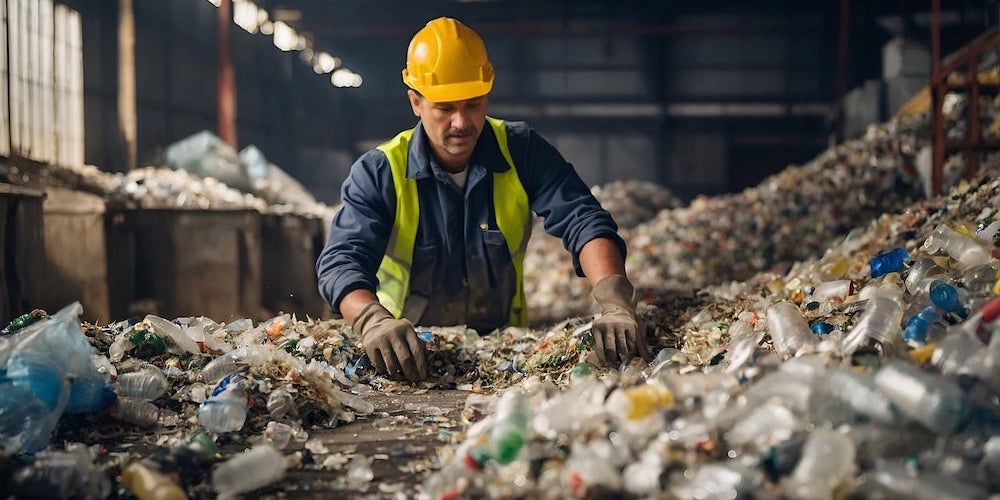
(510,204)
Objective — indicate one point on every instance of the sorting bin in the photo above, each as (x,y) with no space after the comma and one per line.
(78,258)
(22,264)
(291,243)
(197,262)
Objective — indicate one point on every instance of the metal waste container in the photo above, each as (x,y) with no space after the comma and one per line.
(80,261)
(22,263)
(291,243)
(196,263)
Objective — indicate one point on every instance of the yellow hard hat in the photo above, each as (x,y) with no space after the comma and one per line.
(446,61)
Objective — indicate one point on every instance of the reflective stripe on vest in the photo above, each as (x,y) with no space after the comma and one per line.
(510,204)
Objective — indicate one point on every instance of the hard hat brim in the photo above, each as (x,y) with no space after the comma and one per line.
(454,91)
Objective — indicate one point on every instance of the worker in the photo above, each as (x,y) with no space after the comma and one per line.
(434,223)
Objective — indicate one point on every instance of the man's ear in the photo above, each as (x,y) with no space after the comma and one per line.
(414,98)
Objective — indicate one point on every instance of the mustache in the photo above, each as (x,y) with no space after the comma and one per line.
(465,132)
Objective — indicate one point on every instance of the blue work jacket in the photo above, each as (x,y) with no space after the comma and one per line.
(462,274)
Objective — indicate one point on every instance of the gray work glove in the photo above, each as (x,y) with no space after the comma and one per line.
(392,344)
(617,334)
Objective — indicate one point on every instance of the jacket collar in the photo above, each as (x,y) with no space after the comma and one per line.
(421,163)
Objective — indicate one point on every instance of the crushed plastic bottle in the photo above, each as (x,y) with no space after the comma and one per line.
(880,325)
(789,330)
(136,411)
(256,468)
(226,409)
(148,383)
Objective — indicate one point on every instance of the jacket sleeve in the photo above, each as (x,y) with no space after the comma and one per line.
(359,231)
(558,195)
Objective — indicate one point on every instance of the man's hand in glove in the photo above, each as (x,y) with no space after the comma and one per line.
(617,337)
(392,344)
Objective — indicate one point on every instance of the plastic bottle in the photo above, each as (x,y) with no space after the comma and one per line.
(827,290)
(226,409)
(278,434)
(892,261)
(743,343)
(789,330)
(922,273)
(945,296)
(279,403)
(827,462)
(968,250)
(510,426)
(979,280)
(147,483)
(934,401)
(136,411)
(89,393)
(260,466)
(925,326)
(857,390)
(637,402)
(24,320)
(879,327)
(57,474)
(148,383)
(234,361)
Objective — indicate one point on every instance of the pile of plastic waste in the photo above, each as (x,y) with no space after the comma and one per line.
(790,216)
(857,357)
(869,372)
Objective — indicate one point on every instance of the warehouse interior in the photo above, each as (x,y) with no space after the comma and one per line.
(798,185)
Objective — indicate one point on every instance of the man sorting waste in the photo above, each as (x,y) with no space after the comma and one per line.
(435,222)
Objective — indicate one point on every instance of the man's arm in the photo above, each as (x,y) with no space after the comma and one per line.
(618,334)
(600,258)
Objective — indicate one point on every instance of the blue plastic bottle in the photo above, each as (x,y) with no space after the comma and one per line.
(889,262)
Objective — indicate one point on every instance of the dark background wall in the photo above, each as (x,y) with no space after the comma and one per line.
(706,97)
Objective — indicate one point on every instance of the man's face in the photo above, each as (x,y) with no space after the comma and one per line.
(452,127)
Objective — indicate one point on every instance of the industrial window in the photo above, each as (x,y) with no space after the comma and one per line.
(45,81)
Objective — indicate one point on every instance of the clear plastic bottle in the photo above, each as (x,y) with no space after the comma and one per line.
(58,474)
(279,403)
(858,391)
(935,401)
(226,409)
(136,411)
(256,468)
(878,327)
(828,290)
(148,383)
(743,342)
(979,280)
(789,330)
(827,462)
(922,273)
(510,431)
(234,361)
(968,250)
